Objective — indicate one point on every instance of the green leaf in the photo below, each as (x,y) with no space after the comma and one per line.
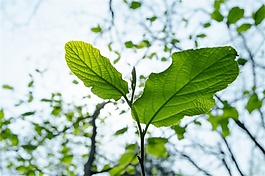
(116,171)
(253,103)
(131,147)
(206,25)
(7,87)
(2,114)
(14,139)
(56,110)
(46,100)
(29,147)
(218,3)
(174,41)
(129,44)
(121,131)
(126,158)
(28,113)
(135,5)
(22,169)
(96,29)
(30,84)
(201,35)
(230,112)
(223,119)
(187,87)
(234,15)
(95,70)
(118,58)
(241,61)
(67,159)
(75,81)
(259,15)
(143,44)
(243,27)
(179,131)
(156,147)
(131,170)
(152,19)
(216,15)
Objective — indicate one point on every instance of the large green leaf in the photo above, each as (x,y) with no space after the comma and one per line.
(95,70)
(187,87)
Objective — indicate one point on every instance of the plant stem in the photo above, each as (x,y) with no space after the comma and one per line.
(142,132)
(142,153)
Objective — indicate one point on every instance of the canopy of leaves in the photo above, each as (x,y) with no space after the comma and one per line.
(95,70)
(187,87)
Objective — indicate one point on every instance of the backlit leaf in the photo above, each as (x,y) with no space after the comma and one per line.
(201,35)
(135,5)
(216,15)
(259,15)
(67,159)
(241,61)
(187,86)
(126,158)
(129,44)
(223,119)
(243,27)
(152,19)
(121,131)
(95,70)
(2,114)
(179,131)
(96,29)
(234,15)
(7,87)
(253,103)
(156,147)
(28,113)
(22,169)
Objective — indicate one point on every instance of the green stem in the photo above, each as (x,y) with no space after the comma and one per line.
(141,131)
(142,135)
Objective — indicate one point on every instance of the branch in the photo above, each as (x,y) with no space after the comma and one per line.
(232,155)
(243,127)
(88,166)
(194,164)
(112,14)
(182,154)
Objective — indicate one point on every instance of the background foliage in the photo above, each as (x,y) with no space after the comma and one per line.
(48,133)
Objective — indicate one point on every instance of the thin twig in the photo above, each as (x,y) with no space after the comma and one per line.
(88,166)
(243,127)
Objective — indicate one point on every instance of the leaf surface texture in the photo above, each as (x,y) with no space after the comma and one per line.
(187,86)
(95,70)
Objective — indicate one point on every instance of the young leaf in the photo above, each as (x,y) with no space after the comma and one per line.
(244,27)
(96,29)
(7,87)
(135,5)
(234,15)
(216,15)
(121,131)
(253,103)
(156,147)
(95,70)
(259,16)
(187,87)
